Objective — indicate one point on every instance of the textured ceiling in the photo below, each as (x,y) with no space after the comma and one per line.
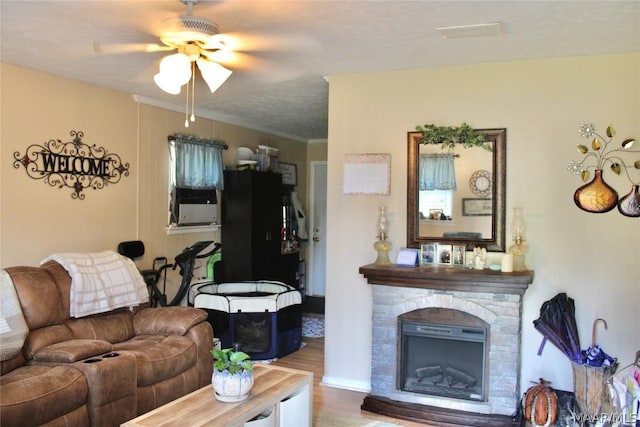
(283,90)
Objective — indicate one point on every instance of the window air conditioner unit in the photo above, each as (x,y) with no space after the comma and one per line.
(196,207)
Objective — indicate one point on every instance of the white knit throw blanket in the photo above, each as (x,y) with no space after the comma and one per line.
(13,328)
(101,282)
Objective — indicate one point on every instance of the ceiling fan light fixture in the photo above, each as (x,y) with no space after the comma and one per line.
(166,83)
(177,67)
(213,73)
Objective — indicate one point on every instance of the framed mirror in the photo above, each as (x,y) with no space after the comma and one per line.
(469,212)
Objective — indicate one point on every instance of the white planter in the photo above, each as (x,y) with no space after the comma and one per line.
(231,388)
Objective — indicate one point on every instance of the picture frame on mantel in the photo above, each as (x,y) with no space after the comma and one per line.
(444,254)
(289,172)
(459,255)
(428,254)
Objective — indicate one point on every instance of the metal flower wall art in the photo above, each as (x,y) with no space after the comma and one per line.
(73,164)
(596,195)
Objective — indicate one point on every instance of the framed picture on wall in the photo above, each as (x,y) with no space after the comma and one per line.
(444,254)
(366,174)
(428,254)
(289,173)
(477,207)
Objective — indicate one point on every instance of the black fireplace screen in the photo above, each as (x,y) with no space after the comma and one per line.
(442,360)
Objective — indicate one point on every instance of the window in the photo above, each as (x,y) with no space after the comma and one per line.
(196,174)
(437,172)
(437,184)
(431,200)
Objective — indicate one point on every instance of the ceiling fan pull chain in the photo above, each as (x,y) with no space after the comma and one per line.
(186,108)
(193,91)
(186,102)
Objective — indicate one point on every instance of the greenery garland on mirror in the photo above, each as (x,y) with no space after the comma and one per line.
(449,136)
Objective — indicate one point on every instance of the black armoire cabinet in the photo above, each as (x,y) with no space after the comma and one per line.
(252,224)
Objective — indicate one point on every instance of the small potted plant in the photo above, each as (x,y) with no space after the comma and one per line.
(232,377)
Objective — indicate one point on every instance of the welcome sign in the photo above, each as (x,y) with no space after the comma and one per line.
(72,164)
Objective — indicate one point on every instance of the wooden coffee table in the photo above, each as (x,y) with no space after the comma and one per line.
(289,392)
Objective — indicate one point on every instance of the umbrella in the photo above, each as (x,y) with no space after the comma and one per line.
(557,323)
(594,355)
(593,376)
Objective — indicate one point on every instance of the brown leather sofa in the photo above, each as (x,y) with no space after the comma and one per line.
(100,370)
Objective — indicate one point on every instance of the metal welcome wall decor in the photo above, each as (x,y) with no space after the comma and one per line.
(72,164)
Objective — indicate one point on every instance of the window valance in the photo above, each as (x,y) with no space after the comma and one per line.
(437,172)
(190,139)
(197,162)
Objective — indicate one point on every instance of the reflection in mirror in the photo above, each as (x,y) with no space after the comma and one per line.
(457,197)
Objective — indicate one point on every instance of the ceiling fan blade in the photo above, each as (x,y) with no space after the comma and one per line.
(235,60)
(259,68)
(247,42)
(114,48)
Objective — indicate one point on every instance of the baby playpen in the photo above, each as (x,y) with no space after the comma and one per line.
(264,318)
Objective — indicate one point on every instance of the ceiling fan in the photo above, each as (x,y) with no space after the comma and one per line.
(199,45)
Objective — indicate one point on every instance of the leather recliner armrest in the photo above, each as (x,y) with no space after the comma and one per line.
(72,351)
(167,320)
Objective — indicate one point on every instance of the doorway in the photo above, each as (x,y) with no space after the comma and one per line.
(316,277)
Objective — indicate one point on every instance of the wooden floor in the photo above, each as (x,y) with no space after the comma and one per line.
(311,358)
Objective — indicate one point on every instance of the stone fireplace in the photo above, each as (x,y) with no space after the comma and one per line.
(477,313)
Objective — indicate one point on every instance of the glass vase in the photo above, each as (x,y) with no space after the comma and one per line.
(519,251)
(382,226)
(382,245)
(518,225)
(519,248)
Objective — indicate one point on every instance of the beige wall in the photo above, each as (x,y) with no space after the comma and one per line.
(317,151)
(156,125)
(37,220)
(594,258)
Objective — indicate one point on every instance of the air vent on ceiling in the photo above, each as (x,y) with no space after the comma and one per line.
(476,30)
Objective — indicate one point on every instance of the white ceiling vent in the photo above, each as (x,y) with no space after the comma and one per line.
(476,30)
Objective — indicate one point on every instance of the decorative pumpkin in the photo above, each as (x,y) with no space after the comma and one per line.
(541,405)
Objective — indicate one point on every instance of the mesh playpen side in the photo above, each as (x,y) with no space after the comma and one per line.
(263,318)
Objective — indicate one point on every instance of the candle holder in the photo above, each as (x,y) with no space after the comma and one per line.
(382,245)
(519,248)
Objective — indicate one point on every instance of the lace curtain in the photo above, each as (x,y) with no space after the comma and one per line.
(197,162)
(437,172)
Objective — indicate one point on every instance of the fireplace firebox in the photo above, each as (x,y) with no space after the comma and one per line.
(443,360)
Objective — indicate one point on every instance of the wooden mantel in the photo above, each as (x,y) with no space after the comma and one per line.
(448,278)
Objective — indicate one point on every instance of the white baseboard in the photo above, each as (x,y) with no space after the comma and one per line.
(337,382)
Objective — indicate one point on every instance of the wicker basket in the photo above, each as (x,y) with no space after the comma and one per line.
(589,386)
